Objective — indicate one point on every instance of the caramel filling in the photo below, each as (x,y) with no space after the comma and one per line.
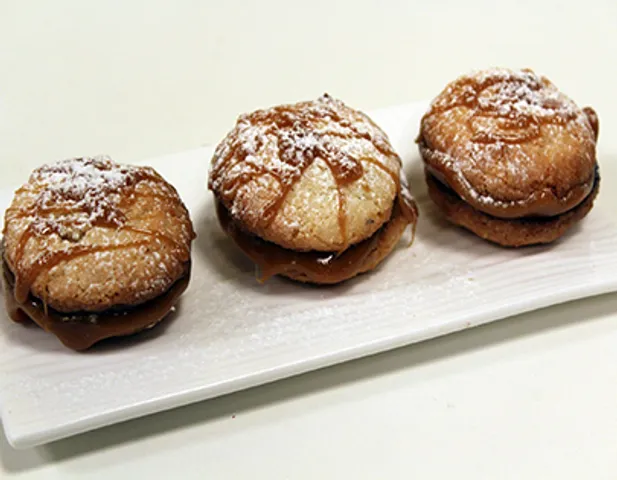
(445,187)
(539,204)
(314,266)
(81,330)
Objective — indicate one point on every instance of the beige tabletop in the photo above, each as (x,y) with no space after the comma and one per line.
(528,397)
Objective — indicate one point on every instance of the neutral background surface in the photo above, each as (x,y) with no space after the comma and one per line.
(528,397)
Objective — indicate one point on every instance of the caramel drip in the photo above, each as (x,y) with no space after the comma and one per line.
(328,267)
(408,207)
(62,204)
(44,263)
(300,143)
(80,331)
(33,229)
(510,125)
(158,235)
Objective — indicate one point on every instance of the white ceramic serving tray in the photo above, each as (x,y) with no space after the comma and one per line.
(230,333)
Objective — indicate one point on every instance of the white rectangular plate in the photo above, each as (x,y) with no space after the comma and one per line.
(230,332)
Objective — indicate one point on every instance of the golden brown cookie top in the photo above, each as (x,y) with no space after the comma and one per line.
(87,234)
(510,144)
(314,175)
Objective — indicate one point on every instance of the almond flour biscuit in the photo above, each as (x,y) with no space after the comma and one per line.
(93,249)
(510,146)
(312,191)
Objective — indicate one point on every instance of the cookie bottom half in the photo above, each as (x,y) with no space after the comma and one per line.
(81,330)
(516,232)
(317,267)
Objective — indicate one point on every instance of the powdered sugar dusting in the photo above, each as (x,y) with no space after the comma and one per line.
(85,191)
(275,146)
(495,114)
(506,106)
(104,214)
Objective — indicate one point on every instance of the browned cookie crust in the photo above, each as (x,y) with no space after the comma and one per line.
(510,144)
(86,236)
(515,232)
(315,177)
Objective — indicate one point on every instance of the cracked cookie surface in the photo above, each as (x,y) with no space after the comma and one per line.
(313,191)
(510,144)
(87,234)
